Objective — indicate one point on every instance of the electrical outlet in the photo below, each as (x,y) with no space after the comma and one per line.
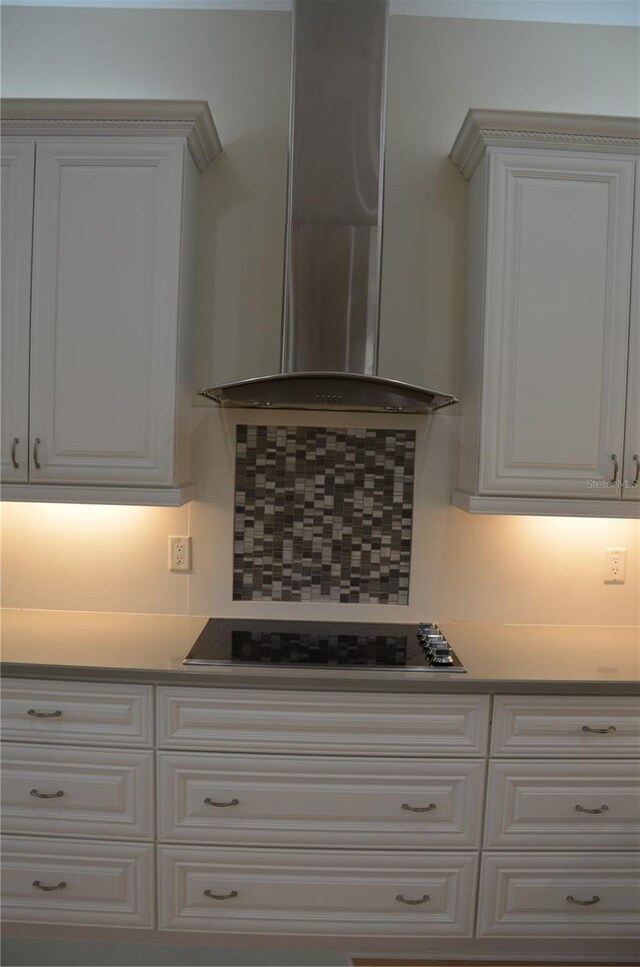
(179,553)
(615,565)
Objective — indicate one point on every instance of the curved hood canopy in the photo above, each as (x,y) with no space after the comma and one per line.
(334,222)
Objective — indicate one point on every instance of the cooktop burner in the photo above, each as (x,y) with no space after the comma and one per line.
(324,644)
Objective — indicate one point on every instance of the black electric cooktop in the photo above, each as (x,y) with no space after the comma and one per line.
(324,644)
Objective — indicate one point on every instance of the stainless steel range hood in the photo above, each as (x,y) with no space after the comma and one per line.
(334,222)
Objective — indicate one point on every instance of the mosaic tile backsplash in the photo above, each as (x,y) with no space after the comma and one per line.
(323,514)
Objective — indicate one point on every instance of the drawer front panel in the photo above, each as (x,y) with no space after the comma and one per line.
(563,804)
(316,891)
(565,726)
(319,801)
(108,884)
(247,720)
(77,792)
(559,895)
(77,713)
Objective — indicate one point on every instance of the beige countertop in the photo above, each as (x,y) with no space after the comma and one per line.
(150,648)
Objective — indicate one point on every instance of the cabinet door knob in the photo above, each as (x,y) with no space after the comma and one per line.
(44,715)
(419,809)
(584,903)
(46,795)
(583,809)
(414,903)
(14,444)
(609,728)
(41,886)
(212,802)
(36,444)
(221,896)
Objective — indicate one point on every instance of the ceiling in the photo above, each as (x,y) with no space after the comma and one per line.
(609,12)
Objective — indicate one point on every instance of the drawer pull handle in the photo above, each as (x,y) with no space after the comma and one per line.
(40,886)
(414,903)
(583,809)
(221,896)
(584,903)
(636,477)
(419,809)
(14,444)
(212,802)
(47,795)
(36,444)
(44,715)
(609,728)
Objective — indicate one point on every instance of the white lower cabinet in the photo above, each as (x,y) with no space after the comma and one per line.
(81,817)
(559,895)
(354,818)
(367,893)
(320,800)
(77,882)
(574,797)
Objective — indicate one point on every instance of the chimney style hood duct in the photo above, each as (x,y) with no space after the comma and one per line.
(334,222)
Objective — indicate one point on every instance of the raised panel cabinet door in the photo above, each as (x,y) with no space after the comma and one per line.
(631,474)
(556,323)
(106,260)
(365,802)
(17,219)
(81,883)
(358,893)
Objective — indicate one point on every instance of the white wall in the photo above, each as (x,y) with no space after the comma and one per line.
(505,569)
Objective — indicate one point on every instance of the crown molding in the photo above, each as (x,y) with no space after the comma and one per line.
(191,120)
(483,129)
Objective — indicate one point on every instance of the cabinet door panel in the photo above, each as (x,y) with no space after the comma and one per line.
(17,216)
(368,802)
(346,892)
(557,323)
(80,883)
(632,436)
(559,895)
(105,288)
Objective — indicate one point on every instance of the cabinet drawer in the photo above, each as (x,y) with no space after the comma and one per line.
(563,804)
(316,891)
(108,884)
(248,720)
(559,895)
(77,792)
(319,801)
(77,712)
(565,726)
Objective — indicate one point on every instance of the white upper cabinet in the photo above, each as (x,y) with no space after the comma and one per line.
(550,382)
(631,471)
(17,218)
(106,383)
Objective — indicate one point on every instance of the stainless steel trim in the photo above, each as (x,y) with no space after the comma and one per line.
(609,728)
(44,715)
(583,809)
(212,802)
(584,903)
(414,903)
(350,392)
(36,444)
(221,896)
(419,809)
(46,795)
(14,444)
